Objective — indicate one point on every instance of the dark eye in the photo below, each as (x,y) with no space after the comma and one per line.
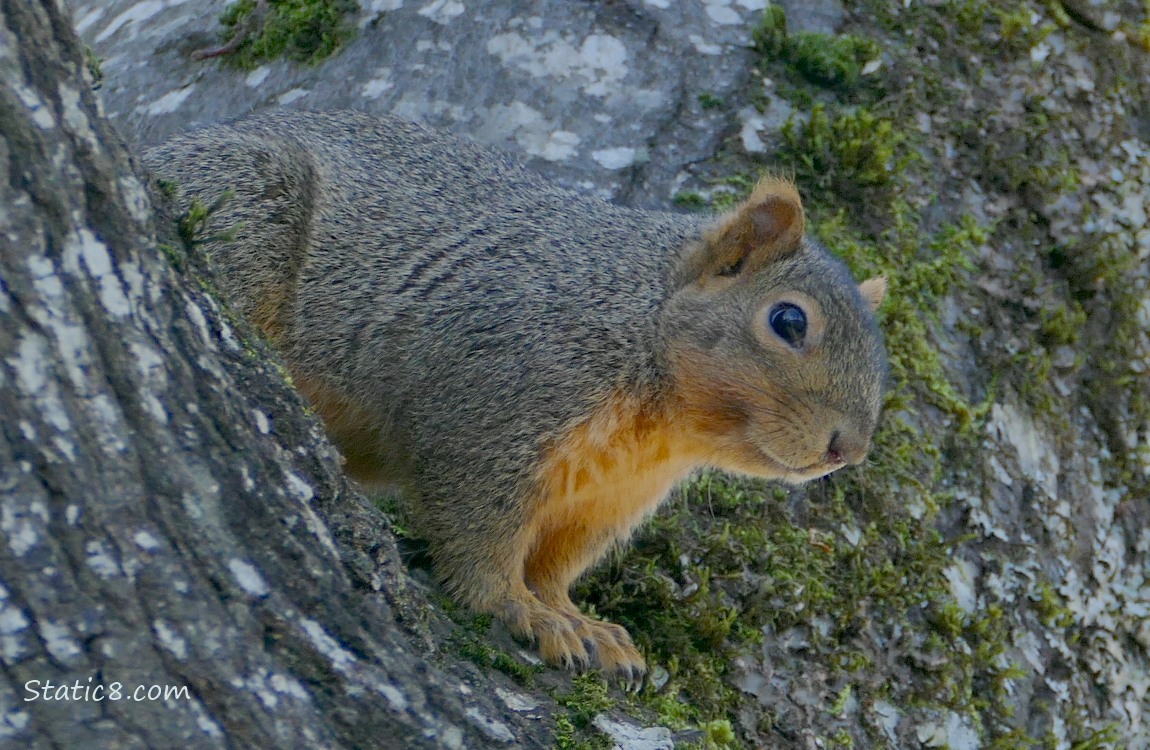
(789,322)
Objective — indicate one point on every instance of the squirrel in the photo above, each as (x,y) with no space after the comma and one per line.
(536,368)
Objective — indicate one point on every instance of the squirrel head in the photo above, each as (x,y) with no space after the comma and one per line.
(776,357)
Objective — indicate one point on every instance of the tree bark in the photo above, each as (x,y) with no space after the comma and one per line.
(169,513)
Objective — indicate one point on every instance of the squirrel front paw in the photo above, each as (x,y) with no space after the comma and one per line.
(572,640)
(612,650)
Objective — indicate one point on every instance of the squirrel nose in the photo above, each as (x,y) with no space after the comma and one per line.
(834,450)
(845,449)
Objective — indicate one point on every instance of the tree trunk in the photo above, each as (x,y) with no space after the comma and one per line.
(170,516)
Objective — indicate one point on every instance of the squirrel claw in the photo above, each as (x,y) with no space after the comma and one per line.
(633,682)
(614,652)
(633,677)
(558,643)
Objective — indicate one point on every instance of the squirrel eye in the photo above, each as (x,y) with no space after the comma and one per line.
(789,322)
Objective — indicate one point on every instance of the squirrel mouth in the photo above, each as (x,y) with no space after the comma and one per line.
(801,473)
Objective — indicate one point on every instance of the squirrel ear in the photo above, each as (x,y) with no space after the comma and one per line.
(873,291)
(765,227)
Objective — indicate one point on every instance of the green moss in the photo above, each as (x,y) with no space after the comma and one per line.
(1015,22)
(1139,35)
(774,574)
(396,509)
(1017,739)
(970,16)
(92,62)
(1061,323)
(470,642)
(176,260)
(168,188)
(1100,276)
(690,200)
(729,190)
(840,705)
(845,158)
(718,735)
(949,619)
(304,31)
(707,100)
(770,36)
(832,61)
(588,697)
(492,658)
(1019,27)
(670,711)
(1108,737)
(194,222)
(570,737)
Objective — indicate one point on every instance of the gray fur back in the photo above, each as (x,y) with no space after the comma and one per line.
(479,308)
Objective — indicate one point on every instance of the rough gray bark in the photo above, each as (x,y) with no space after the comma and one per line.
(169,515)
(1045,136)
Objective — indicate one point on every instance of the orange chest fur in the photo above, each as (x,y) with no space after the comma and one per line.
(613,470)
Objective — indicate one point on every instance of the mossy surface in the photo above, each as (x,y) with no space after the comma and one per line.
(469,642)
(93,63)
(836,61)
(914,166)
(303,31)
